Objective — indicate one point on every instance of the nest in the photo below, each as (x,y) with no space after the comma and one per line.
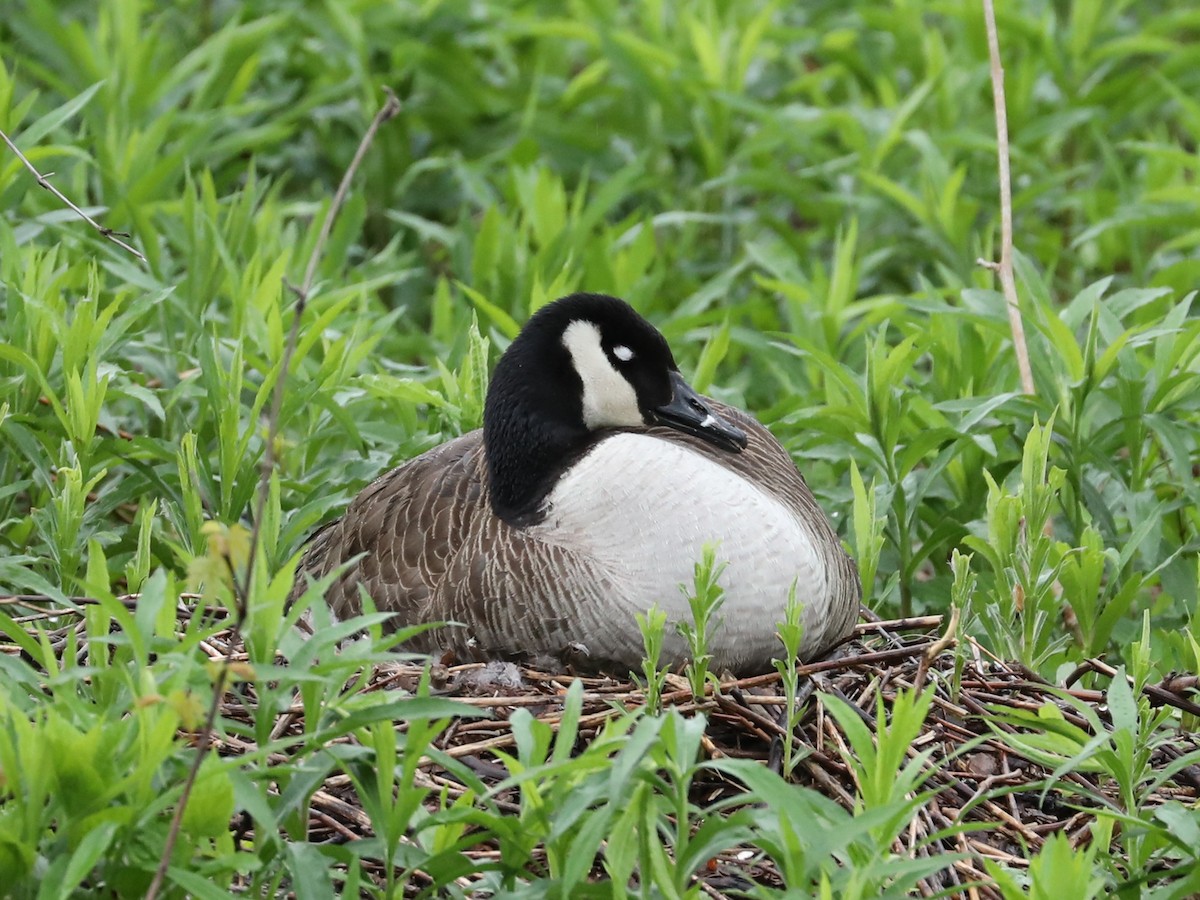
(1009,799)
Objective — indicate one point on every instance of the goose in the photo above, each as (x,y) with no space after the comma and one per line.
(588,496)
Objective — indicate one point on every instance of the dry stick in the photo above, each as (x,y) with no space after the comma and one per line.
(44,181)
(948,639)
(1005,267)
(909,623)
(129,600)
(389,109)
(1156,693)
(833,665)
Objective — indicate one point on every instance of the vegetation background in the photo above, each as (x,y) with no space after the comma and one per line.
(796,194)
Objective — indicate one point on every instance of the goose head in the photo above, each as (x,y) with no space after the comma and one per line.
(582,366)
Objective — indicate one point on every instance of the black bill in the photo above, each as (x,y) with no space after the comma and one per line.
(688,412)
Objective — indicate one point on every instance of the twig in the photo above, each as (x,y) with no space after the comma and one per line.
(130,600)
(202,745)
(44,181)
(935,650)
(389,109)
(1005,267)
(909,623)
(764,725)
(1157,694)
(832,665)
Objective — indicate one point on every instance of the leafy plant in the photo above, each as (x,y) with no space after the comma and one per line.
(887,769)
(652,624)
(704,601)
(791,634)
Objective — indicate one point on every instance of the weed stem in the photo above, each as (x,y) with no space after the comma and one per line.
(1005,267)
(44,181)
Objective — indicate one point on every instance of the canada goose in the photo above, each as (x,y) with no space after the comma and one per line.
(587,497)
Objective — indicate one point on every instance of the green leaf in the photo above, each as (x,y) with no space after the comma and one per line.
(34,133)
(89,852)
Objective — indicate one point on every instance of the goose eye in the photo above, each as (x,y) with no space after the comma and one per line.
(623,353)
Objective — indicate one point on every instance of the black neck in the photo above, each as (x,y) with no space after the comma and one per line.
(533,427)
(531,435)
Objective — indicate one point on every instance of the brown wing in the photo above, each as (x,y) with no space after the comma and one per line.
(525,598)
(406,527)
(430,550)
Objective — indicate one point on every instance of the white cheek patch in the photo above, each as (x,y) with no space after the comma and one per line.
(608,399)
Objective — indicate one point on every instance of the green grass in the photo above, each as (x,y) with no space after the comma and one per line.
(796,194)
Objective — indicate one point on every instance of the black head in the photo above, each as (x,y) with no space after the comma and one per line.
(582,364)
